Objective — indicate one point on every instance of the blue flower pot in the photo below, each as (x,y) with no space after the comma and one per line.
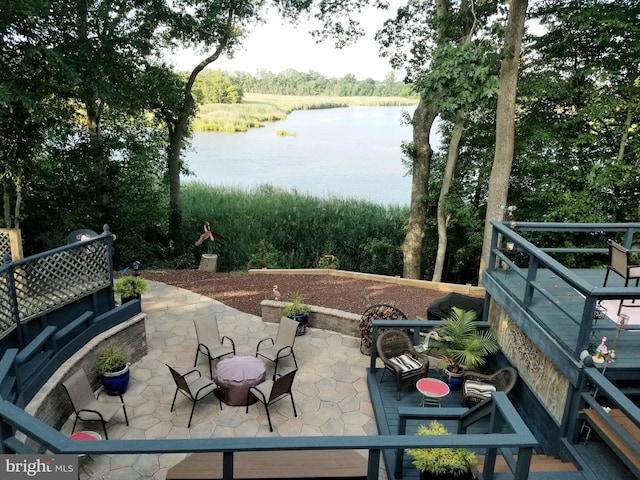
(116,383)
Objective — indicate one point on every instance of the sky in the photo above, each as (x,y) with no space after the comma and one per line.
(278,46)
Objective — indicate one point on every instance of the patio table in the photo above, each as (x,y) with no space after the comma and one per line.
(432,390)
(236,375)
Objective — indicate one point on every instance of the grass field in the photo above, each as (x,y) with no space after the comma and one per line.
(257,109)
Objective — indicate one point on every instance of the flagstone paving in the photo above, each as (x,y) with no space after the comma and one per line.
(329,390)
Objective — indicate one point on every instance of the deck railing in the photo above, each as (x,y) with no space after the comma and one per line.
(601,397)
(37,285)
(507,430)
(536,258)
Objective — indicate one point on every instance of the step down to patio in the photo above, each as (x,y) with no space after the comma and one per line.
(308,464)
(539,463)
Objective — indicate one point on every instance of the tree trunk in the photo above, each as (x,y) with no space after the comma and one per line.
(423,119)
(505,126)
(452,159)
(177,131)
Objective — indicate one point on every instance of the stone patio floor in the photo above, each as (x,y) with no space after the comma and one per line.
(330,390)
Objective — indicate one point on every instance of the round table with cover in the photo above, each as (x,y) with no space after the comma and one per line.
(236,375)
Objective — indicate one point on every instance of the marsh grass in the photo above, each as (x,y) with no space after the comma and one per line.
(257,109)
(364,236)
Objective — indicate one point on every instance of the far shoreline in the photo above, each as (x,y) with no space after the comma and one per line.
(258,109)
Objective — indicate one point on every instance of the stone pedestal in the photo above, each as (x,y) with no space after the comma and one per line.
(208,262)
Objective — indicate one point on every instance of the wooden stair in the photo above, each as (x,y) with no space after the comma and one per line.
(307,464)
(539,463)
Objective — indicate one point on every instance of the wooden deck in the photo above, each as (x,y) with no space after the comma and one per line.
(386,406)
(559,306)
(308,464)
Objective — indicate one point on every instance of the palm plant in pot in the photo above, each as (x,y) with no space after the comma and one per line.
(130,288)
(462,346)
(442,463)
(112,365)
(299,311)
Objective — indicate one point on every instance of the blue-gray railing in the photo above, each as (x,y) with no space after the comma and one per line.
(598,391)
(506,432)
(13,419)
(539,258)
(34,287)
(501,414)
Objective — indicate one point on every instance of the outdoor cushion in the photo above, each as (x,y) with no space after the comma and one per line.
(406,363)
(479,388)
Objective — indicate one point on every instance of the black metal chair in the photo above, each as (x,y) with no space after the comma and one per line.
(282,346)
(210,343)
(396,351)
(86,405)
(619,262)
(195,389)
(270,391)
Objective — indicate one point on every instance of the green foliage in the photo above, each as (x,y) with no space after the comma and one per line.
(298,229)
(329,261)
(296,307)
(462,345)
(112,359)
(130,286)
(216,87)
(265,257)
(439,461)
(294,83)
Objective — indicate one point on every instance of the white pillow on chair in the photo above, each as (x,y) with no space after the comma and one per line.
(406,363)
(478,388)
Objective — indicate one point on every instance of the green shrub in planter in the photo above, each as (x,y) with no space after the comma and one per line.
(112,365)
(441,462)
(299,311)
(130,287)
(113,358)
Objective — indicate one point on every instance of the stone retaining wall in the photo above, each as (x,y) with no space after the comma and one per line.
(51,404)
(320,317)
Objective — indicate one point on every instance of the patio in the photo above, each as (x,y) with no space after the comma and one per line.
(330,389)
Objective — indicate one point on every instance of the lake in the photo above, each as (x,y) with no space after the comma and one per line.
(351,152)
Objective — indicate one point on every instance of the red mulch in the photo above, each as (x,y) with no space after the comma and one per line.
(245,291)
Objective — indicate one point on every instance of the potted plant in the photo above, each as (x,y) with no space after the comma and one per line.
(112,365)
(442,463)
(299,311)
(462,346)
(130,288)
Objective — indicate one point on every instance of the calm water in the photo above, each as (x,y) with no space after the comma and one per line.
(349,152)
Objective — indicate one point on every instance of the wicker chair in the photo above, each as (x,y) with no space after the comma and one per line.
(381,311)
(477,387)
(396,351)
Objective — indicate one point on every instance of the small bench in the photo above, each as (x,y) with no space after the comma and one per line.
(308,464)
(609,435)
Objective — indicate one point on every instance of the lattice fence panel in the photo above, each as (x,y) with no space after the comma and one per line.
(5,244)
(49,282)
(7,322)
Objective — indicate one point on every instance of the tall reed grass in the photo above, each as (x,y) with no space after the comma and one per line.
(260,108)
(298,228)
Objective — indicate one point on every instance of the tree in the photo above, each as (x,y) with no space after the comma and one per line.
(579,103)
(218,28)
(438,64)
(505,125)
